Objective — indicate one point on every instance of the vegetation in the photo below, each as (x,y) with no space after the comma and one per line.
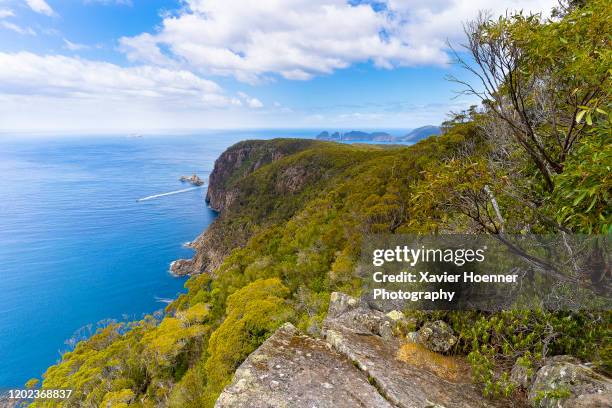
(534,157)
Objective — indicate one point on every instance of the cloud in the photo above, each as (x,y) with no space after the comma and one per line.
(69,45)
(298,39)
(40,6)
(250,102)
(16,28)
(4,13)
(25,73)
(65,93)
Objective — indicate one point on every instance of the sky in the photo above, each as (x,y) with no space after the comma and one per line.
(154,65)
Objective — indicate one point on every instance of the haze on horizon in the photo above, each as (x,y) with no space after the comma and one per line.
(148,66)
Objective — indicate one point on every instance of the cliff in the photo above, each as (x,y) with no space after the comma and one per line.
(242,159)
(224,188)
(244,187)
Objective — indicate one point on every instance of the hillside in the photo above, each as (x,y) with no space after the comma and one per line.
(292,214)
(420,133)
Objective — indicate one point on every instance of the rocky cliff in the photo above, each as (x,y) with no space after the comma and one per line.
(231,188)
(242,159)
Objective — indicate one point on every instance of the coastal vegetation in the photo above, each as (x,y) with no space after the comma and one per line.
(534,157)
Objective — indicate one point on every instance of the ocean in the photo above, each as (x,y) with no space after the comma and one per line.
(77,247)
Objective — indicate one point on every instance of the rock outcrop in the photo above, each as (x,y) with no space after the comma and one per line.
(437,336)
(293,370)
(181,267)
(357,364)
(563,383)
(361,334)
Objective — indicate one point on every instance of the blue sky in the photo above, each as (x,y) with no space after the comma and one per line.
(154,65)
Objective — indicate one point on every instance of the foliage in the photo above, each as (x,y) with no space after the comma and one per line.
(495,342)
(583,193)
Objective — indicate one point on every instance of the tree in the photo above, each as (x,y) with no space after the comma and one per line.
(537,76)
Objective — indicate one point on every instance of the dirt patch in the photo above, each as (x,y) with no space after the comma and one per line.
(448,367)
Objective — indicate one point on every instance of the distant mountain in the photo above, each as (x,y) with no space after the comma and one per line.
(420,133)
(358,136)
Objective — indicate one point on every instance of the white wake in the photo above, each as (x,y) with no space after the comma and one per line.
(167,194)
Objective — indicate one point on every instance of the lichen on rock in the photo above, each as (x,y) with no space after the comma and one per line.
(564,383)
(437,336)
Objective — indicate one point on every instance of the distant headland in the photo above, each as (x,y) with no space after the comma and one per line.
(355,135)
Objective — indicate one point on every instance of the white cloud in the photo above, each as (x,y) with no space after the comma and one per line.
(69,45)
(250,102)
(40,6)
(72,93)
(59,76)
(17,28)
(298,39)
(4,13)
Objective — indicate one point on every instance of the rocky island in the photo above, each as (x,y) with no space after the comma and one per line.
(359,136)
(193,179)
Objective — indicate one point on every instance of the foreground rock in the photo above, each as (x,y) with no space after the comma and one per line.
(361,334)
(293,370)
(194,179)
(361,363)
(437,336)
(563,382)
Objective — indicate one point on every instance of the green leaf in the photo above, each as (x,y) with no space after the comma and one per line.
(580,198)
(580,115)
(592,204)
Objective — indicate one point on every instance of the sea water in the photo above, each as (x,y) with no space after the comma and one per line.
(88,231)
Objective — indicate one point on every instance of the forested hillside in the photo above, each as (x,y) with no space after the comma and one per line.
(534,157)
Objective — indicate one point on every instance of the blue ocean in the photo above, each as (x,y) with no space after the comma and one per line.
(77,247)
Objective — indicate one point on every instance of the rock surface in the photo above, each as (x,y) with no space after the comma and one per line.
(293,370)
(181,267)
(357,365)
(358,333)
(437,336)
(563,383)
